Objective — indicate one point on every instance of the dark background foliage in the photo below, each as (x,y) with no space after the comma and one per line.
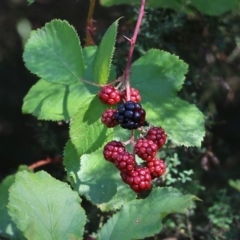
(210,45)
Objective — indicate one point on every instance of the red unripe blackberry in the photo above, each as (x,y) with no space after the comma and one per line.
(145,149)
(157,135)
(134,95)
(109,95)
(112,149)
(108,118)
(125,162)
(139,180)
(157,167)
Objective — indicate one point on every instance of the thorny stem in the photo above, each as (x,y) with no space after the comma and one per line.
(132,45)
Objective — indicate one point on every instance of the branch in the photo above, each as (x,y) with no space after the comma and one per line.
(46,161)
(132,45)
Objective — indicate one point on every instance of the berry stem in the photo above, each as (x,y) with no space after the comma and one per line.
(132,42)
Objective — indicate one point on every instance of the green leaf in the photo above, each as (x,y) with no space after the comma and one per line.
(159,76)
(8,228)
(216,7)
(174,4)
(101,184)
(45,208)
(104,54)
(54,53)
(51,101)
(86,130)
(71,162)
(235,184)
(142,218)
(89,56)
(30,1)
(182,121)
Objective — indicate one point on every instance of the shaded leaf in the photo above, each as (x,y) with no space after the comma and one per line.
(159,76)
(100,182)
(142,218)
(104,54)
(8,228)
(86,130)
(71,162)
(54,53)
(216,7)
(45,208)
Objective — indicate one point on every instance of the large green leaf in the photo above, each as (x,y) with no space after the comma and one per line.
(86,130)
(216,7)
(45,208)
(159,76)
(142,218)
(104,54)
(51,101)
(100,182)
(174,4)
(8,228)
(54,53)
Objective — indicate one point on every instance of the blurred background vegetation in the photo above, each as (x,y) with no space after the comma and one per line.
(210,45)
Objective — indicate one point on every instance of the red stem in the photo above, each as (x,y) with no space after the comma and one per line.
(132,45)
(43,162)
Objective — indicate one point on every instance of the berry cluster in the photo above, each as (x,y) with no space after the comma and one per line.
(130,115)
(138,177)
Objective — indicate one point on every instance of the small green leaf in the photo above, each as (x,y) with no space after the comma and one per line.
(30,1)
(159,76)
(142,218)
(216,7)
(54,53)
(51,101)
(100,182)
(235,184)
(104,54)
(44,208)
(86,130)
(8,228)
(89,56)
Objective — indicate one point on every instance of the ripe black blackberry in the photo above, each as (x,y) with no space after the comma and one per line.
(130,115)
